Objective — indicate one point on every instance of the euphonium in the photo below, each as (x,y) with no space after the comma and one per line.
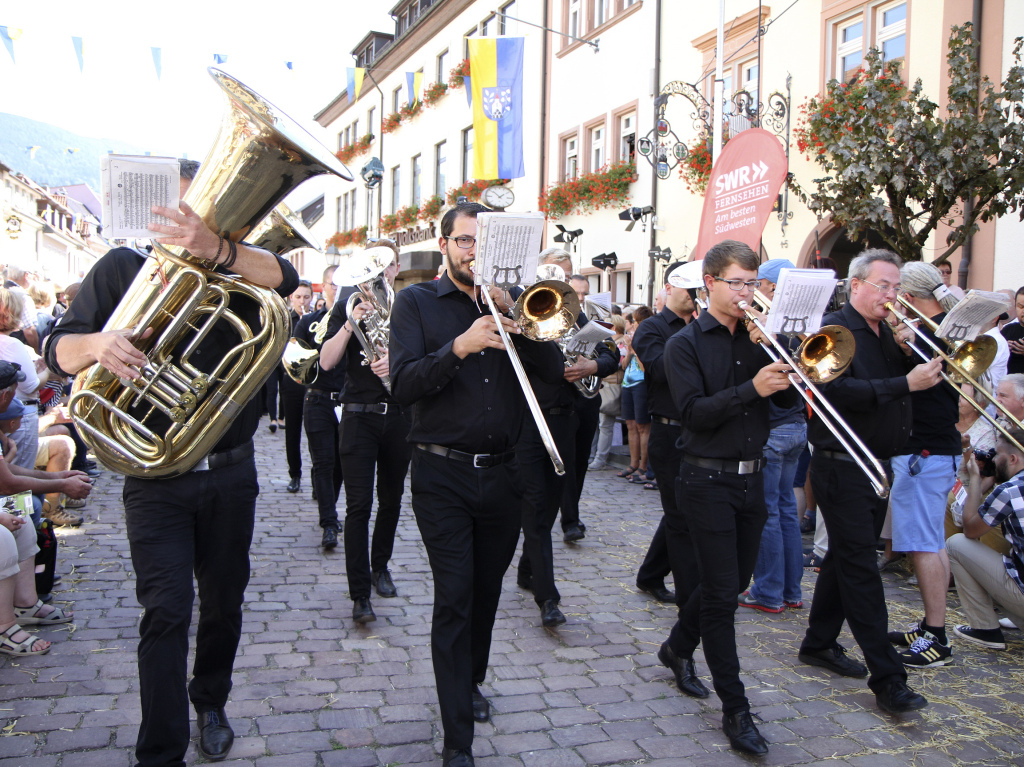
(365,271)
(163,422)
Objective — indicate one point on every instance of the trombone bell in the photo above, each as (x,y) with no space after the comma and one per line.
(546,310)
(825,355)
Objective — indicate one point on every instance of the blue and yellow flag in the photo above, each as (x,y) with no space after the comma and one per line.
(496,79)
(355,82)
(413,80)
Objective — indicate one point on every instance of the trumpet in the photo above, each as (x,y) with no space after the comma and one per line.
(822,357)
(969,360)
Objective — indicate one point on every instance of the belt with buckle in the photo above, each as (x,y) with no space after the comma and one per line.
(381,408)
(666,421)
(333,396)
(479,460)
(732,467)
(559,411)
(225,457)
(30,402)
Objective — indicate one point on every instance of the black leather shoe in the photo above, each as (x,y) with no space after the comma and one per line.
(834,659)
(383,584)
(685,672)
(550,615)
(293,485)
(743,735)
(362,612)
(658,591)
(573,533)
(330,537)
(451,757)
(898,698)
(215,734)
(481,709)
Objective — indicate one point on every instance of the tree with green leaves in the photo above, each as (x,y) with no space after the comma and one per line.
(897,167)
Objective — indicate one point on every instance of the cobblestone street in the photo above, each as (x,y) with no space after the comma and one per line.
(313,690)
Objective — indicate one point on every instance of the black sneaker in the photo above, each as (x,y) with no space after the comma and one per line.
(927,652)
(990,639)
(908,637)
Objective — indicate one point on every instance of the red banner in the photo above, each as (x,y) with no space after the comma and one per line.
(742,190)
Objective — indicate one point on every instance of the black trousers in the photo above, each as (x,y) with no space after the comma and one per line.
(373,446)
(849,586)
(469,520)
(272,393)
(200,523)
(542,493)
(723,515)
(588,413)
(292,396)
(322,440)
(663,457)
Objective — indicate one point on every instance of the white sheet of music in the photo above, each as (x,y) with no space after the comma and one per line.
(586,339)
(801,296)
(131,186)
(507,246)
(971,316)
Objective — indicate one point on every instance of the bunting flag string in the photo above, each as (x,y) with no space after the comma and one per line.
(413,80)
(469,90)
(156,61)
(288,64)
(77,42)
(9,35)
(354,82)
(220,58)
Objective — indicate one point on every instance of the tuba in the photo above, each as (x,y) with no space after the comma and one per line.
(365,271)
(282,231)
(164,422)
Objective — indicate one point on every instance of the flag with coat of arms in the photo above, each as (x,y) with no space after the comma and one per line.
(496,77)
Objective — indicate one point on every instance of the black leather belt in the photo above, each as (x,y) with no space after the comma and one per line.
(559,411)
(838,455)
(381,408)
(333,396)
(225,457)
(479,460)
(733,467)
(666,421)
(30,402)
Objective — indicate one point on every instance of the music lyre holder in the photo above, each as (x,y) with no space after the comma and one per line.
(795,325)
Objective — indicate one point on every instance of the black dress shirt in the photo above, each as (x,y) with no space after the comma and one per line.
(1014,331)
(871,395)
(102,290)
(474,404)
(711,376)
(936,409)
(649,346)
(362,385)
(306,330)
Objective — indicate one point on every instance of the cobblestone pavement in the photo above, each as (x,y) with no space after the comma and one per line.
(313,690)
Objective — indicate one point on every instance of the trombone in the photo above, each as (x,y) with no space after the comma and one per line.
(967,357)
(823,356)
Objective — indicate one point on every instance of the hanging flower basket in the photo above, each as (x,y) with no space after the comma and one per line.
(458,72)
(355,237)
(695,168)
(435,93)
(473,188)
(408,215)
(353,150)
(389,223)
(604,188)
(431,208)
(408,111)
(391,122)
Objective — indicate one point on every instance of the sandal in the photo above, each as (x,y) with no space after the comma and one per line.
(29,616)
(628,472)
(652,485)
(9,647)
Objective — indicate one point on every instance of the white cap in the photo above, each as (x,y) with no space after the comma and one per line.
(689,275)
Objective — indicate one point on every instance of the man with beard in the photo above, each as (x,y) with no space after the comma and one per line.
(449,363)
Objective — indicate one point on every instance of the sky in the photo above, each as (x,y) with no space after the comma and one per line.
(118,94)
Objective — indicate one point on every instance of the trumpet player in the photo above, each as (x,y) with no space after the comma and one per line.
(450,365)
(721,382)
(873,396)
(373,447)
(198,523)
(318,418)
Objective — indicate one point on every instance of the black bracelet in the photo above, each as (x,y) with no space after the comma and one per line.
(220,247)
(232,254)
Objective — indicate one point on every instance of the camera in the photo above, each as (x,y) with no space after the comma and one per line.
(986,461)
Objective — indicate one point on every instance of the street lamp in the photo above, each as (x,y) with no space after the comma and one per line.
(372,173)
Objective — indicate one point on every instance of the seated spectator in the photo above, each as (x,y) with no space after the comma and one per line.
(983,577)
(34,375)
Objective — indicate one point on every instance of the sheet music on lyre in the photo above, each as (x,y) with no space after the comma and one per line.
(586,339)
(801,296)
(971,316)
(507,246)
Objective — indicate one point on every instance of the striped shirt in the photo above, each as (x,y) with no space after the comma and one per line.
(1005,506)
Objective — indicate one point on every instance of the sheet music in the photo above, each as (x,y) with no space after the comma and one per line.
(507,246)
(801,297)
(604,300)
(969,318)
(131,186)
(586,339)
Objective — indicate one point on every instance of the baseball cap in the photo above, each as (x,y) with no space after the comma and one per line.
(10,374)
(14,410)
(770,269)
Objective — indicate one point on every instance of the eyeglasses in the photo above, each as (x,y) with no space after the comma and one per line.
(738,285)
(464,241)
(885,288)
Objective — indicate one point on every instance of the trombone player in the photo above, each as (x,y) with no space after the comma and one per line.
(873,397)
(198,522)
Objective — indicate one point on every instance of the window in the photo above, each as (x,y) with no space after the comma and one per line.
(396,99)
(892,33)
(602,11)
(341,140)
(352,209)
(597,148)
(342,212)
(574,18)
(849,50)
(627,136)
(465,42)
(570,169)
(370,117)
(508,26)
(355,131)
(488,26)
(627,3)
(622,287)
(442,66)
(749,75)
(417,173)
(396,188)
(440,156)
(467,154)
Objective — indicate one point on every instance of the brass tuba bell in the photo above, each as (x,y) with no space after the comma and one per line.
(163,422)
